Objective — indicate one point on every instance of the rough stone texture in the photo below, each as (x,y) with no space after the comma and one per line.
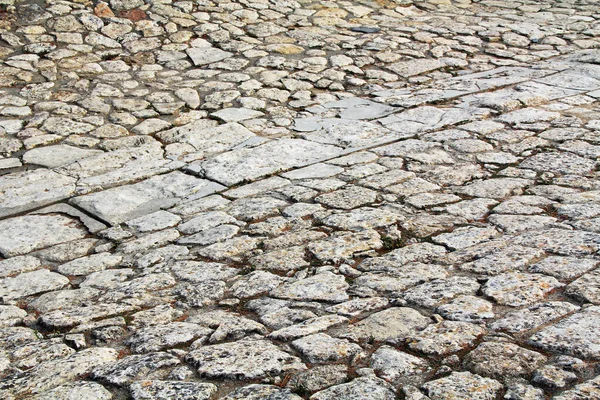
(462,385)
(576,335)
(250,359)
(21,235)
(284,199)
(503,360)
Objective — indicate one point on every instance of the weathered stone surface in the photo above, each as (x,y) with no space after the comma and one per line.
(21,235)
(533,316)
(395,366)
(51,374)
(392,325)
(172,389)
(462,385)
(161,337)
(445,338)
(516,289)
(359,388)
(576,335)
(324,287)
(336,200)
(508,360)
(76,390)
(322,348)
(126,202)
(248,164)
(23,191)
(128,369)
(243,360)
(30,283)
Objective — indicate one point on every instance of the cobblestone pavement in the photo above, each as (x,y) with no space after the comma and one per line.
(294,199)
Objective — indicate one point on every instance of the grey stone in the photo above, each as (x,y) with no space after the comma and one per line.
(396,366)
(126,202)
(30,283)
(56,156)
(21,235)
(509,360)
(576,335)
(54,373)
(392,325)
(248,164)
(155,389)
(445,338)
(130,368)
(360,388)
(462,386)
(325,286)
(23,191)
(243,360)
(516,289)
(322,348)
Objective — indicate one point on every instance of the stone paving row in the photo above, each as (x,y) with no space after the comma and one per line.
(285,200)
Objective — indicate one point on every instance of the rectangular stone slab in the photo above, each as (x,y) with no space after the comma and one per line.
(245,164)
(122,203)
(23,191)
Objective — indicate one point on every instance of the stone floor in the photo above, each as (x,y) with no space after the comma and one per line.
(294,199)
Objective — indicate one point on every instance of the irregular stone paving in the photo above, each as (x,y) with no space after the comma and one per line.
(298,199)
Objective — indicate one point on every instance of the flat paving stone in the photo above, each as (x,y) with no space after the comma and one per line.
(243,360)
(23,191)
(21,235)
(126,202)
(248,164)
(575,335)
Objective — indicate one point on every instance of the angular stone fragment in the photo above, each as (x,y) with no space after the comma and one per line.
(322,348)
(445,338)
(462,386)
(360,388)
(434,293)
(89,264)
(561,241)
(23,191)
(11,316)
(16,265)
(56,156)
(161,337)
(497,188)
(260,392)
(348,198)
(395,366)
(586,390)
(508,360)
(126,202)
(307,327)
(131,368)
(238,165)
(243,360)
(516,289)
(155,390)
(21,235)
(577,335)
(533,316)
(415,67)
(466,308)
(53,373)
(342,245)
(586,288)
(559,162)
(76,390)
(318,378)
(30,283)
(325,286)
(392,325)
